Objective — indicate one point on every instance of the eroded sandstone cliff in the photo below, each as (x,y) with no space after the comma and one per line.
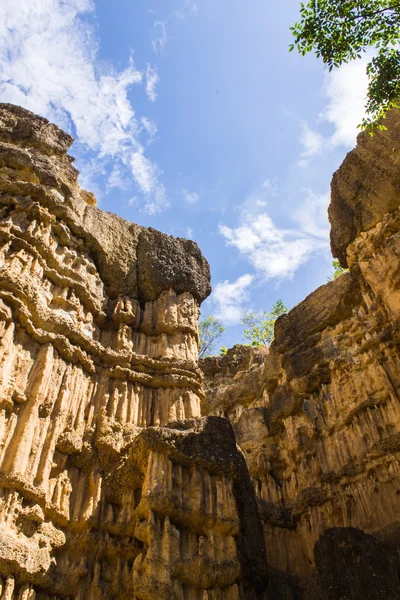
(318,415)
(99,498)
(112,483)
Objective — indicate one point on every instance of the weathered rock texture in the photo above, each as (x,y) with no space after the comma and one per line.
(318,417)
(112,484)
(99,498)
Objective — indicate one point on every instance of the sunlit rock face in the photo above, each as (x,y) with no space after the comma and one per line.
(98,353)
(112,484)
(318,415)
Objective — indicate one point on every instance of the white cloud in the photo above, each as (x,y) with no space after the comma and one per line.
(346,90)
(230,299)
(144,171)
(273,252)
(152,79)
(189,233)
(245,238)
(48,63)
(190,197)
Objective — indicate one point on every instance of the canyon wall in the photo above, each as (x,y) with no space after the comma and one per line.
(121,475)
(99,498)
(317,415)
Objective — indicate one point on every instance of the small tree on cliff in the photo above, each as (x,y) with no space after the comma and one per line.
(259,328)
(339,31)
(210,331)
(337,270)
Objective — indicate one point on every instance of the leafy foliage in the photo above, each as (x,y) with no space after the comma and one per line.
(339,31)
(337,270)
(260,326)
(210,331)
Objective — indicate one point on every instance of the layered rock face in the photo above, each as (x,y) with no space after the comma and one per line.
(112,484)
(99,498)
(318,416)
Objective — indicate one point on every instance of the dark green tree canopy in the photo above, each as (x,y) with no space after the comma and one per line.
(339,31)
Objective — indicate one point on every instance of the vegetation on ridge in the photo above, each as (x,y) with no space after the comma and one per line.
(260,326)
(259,329)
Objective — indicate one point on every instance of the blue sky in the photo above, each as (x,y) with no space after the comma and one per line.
(194,118)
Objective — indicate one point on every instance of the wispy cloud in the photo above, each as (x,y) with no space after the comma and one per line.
(38,70)
(149,127)
(159,35)
(159,30)
(147,174)
(152,79)
(117,178)
(229,299)
(271,185)
(312,142)
(190,197)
